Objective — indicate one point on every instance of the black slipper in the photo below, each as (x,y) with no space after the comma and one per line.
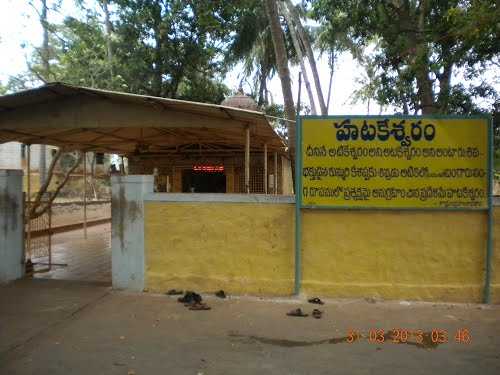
(317,314)
(297,312)
(190,297)
(221,294)
(316,301)
(174,292)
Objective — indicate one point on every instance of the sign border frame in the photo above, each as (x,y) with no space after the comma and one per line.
(299,162)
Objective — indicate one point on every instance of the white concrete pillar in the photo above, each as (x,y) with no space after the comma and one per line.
(127,229)
(11,225)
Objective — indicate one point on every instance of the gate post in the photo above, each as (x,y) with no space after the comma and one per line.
(127,230)
(11,225)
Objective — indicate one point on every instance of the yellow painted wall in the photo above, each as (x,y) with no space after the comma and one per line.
(495,282)
(433,256)
(249,249)
(243,248)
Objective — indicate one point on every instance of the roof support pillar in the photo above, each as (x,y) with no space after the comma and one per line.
(265,168)
(85,195)
(28,200)
(247,159)
(275,173)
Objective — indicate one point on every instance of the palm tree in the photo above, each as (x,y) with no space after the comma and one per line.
(306,42)
(253,46)
(282,64)
(298,46)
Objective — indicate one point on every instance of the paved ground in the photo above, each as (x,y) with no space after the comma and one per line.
(60,327)
(87,260)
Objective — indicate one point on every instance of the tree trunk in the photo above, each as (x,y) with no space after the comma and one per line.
(157,56)
(283,71)
(444,87)
(42,161)
(425,92)
(406,111)
(109,29)
(330,82)
(38,207)
(298,49)
(424,83)
(45,41)
(262,100)
(310,55)
(92,175)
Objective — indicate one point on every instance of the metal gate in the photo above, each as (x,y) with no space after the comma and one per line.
(38,240)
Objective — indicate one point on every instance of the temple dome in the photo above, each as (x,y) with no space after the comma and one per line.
(240,100)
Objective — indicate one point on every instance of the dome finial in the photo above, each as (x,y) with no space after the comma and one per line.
(240,100)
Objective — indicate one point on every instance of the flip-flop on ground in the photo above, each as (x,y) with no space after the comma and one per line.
(316,301)
(174,292)
(317,314)
(297,312)
(199,306)
(190,297)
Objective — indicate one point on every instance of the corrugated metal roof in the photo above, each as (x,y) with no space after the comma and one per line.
(29,105)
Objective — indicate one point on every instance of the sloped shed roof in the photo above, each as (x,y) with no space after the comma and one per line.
(115,122)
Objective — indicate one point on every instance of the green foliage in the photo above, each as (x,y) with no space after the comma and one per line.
(277,110)
(165,48)
(252,45)
(81,58)
(201,89)
(418,47)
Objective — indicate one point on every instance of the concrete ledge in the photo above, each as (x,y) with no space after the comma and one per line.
(69,227)
(460,293)
(10,172)
(233,198)
(222,198)
(132,179)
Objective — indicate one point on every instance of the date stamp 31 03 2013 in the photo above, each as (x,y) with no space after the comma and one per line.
(434,337)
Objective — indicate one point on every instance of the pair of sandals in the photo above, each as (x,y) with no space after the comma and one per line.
(191,300)
(316,301)
(198,306)
(317,314)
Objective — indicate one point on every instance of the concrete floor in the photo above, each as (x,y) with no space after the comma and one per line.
(67,327)
(87,260)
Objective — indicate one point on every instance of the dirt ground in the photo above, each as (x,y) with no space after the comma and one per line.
(60,327)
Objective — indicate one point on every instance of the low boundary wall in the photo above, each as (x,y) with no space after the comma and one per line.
(244,244)
(206,242)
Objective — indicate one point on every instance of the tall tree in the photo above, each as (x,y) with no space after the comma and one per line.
(282,64)
(297,44)
(45,75)
(109,30)
(421,45)
(304,37)
(167,46)
(252,45)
